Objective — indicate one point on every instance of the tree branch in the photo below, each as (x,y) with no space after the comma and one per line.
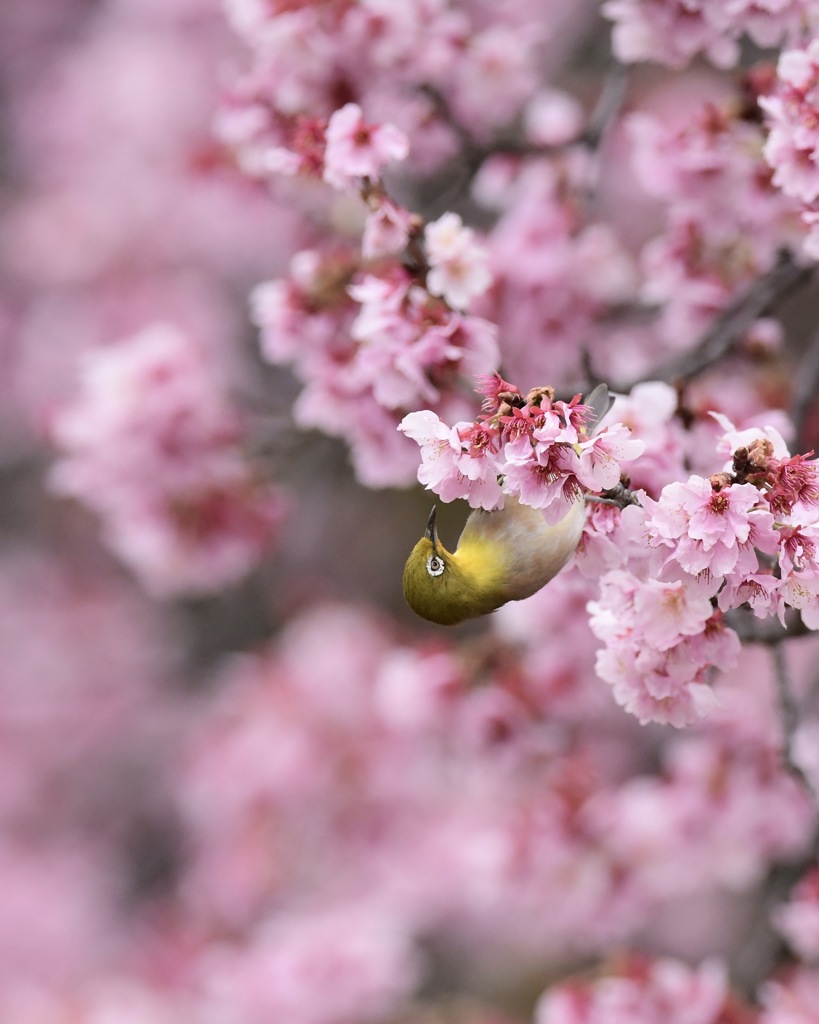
(619,496)
(474,154)
(765,949)
(727,330)
(807,383)
(789,720)
(730,326)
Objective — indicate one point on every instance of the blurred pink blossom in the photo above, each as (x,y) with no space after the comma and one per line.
(153,447)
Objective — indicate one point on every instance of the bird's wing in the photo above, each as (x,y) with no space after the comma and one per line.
(600,400)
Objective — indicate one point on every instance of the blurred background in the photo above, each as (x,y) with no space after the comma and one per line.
(239,782)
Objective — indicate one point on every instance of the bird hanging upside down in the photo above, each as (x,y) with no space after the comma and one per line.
(503,555)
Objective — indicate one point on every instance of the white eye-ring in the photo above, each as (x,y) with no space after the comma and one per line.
(435,565)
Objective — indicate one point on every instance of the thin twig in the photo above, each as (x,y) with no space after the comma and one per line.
(807,382)
(764,949)
(618,497)
(473,154)
(789,720)
(608,106)
(600,500)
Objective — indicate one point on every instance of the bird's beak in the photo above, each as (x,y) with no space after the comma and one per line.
(431,533)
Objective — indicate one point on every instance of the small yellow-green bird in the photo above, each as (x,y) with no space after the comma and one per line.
(504,555)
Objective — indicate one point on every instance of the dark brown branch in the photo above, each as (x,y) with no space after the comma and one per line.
(728,329)
(732,324)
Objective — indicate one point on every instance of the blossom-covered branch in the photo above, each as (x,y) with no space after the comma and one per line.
(287,799)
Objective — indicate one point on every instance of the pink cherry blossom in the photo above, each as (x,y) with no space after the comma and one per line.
(760,591)
(792,999)
(543,477)
(660,641)
(182,508)
(453,463)
(712,530)
(641,993)
(672,33)
(798,919)
(553,118)
(458,263)
(326,968)
(732,438)
(601,455)
(649,412)
(387,230)
(356,149)
(801,590)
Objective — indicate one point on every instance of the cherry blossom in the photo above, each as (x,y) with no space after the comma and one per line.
(325,968)
(712,528)
(387,230)
(798,919)
(791,145)
(533,443)
(661,640)
(458,270)
(642,992)
(301,240)
(455,464)
(791,1000)
(182,507)
(673,33)
(356,149)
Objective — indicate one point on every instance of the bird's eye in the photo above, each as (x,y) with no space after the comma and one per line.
(435,565)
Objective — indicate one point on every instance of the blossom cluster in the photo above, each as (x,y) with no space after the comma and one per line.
(397,63)
(330,832)
(557,274)
(739,538)
(271,802)
(673,32)
(717,532)
(370,343)
(644,992)
(792,146)
(534,447)
(152,445)
(798,919)
(725,222)
(362,330)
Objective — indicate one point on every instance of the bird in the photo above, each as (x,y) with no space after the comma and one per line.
(503,555)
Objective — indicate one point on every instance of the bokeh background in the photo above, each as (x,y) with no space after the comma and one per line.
(279,796)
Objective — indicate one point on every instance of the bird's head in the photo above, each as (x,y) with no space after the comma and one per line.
(448,588)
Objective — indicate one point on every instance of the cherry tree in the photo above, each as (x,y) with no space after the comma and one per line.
(276,276)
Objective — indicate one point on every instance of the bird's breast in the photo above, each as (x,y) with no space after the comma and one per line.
(526,552)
